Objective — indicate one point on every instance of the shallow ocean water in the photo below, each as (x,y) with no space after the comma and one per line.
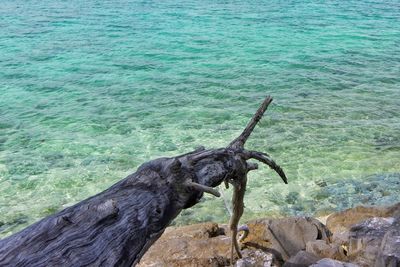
(90,90)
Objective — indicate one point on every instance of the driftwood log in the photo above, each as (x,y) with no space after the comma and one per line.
(118,225)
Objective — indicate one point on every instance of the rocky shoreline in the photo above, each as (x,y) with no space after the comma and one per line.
(360,236)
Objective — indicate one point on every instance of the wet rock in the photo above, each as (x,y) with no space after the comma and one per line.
(387,142)
(292,197)
(302,259)
(332,263)
(285,237)
(321,183)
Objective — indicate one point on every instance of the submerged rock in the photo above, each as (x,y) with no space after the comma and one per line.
(377,189)
(387,142)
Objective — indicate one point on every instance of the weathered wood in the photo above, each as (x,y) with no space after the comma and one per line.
(118,225)
(240,181)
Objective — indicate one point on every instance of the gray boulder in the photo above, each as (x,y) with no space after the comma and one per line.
(285,237)
(255,258)
(365,239)
(389,252)
(302,259)
(375,242)
(325,249)
(332,263)
(339,223)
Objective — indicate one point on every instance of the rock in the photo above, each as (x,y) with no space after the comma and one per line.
(341,221)
(325,249)
(302,259)
(206,244)
(323,219)
(387,142)
(300,241)
(196,231)
(332,263)
(368,232)
(389,253)
(194,245)
(375,241)
(285,237)
(256,258)
(200,245)
(371,234)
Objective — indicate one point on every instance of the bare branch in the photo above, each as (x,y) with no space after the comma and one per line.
(203,188)
(241,140)
(264,158)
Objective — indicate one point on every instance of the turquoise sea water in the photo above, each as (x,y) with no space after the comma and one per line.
(89,90)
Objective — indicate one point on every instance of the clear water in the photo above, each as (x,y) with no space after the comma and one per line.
(89,90)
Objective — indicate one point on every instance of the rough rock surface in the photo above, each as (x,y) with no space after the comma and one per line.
(325,249)
(253,258)
(332,263)
(269,241)
(370,235)
(389,253)
(375,242)
(295,241)
(285,237)
(302,259)
(194,245)
(365,239)
(342,221)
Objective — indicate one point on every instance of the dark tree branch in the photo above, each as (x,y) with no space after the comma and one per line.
(242,138)
(266,159)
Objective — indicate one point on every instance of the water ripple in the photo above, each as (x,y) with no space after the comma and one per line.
(90,90)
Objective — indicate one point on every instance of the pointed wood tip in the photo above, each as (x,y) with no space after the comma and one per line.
(242,138)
